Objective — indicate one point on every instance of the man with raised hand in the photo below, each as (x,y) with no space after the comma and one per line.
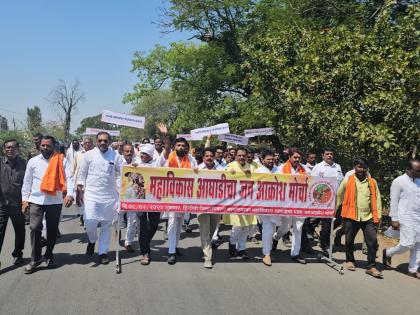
(178,158)
(47,177)
(241,224)
(405,215)
(97,189)
(208,221)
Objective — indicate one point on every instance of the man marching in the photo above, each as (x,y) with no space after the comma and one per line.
(97,189)
(293,166)
(361,209)
(241,224)
(405,215)
(47,177)
(269,222)
(208,221)
(179,158)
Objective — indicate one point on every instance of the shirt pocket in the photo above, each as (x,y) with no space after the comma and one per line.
(108,167)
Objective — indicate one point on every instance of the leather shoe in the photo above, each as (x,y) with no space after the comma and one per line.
(18,261)
(90,250)
(242,254)
(386,261)
(299,259)
(232,250)
(172,259)
(50,262)
(31,267)
(104,259)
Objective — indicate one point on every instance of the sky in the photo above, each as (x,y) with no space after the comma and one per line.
(93,41)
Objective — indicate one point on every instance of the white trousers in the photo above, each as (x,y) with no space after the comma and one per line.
(238,236)
(297,224)
(132,224)
(268,229)
(208,223)
(174,231)
(414,262)
(91,226)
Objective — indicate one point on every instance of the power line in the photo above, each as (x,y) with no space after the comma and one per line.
(10,111)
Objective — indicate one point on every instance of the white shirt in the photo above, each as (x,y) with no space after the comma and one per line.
(263,169)
(70,156)
(216,167)
(405,198)
(31,189)
(310,166)
(100,174)
(323,169)
(222,163)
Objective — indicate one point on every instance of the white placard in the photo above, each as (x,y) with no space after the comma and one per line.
(235,139)
(258,132)
(219,129)
(95,131)
(189,137)
(123,119)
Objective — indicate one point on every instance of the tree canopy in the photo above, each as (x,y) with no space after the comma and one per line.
(322,73)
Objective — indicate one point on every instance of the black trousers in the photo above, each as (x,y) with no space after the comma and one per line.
(369,232)
(149,222)
(52,218)
(18,220)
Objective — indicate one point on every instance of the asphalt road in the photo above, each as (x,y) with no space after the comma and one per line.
(80,286)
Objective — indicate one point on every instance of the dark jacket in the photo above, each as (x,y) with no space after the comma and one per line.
(11,180)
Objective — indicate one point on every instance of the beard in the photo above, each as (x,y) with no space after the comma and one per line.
(46,154)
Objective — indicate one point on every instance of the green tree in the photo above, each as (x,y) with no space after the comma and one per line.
(34,119)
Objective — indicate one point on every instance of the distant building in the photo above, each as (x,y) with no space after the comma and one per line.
(3,124)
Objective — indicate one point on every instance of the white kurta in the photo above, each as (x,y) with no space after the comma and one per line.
(100,174)
(271,218)
(405,208)
(323,169)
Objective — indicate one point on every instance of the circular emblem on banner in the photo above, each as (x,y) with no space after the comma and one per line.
(322,193)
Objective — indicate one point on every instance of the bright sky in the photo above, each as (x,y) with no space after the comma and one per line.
(89,40)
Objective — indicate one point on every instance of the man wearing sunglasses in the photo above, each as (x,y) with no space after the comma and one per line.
(97,188)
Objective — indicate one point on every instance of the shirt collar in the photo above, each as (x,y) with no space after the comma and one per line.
(326,164)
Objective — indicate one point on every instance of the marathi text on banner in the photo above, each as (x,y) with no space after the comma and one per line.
(258,132)
(123,119)
(235,139)
(213,130)
(95,131)
(183,190)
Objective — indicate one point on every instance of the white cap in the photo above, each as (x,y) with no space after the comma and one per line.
(147,148)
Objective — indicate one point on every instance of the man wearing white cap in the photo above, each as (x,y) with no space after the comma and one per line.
(149,221)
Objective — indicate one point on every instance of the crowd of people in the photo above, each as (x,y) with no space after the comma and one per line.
(89,175)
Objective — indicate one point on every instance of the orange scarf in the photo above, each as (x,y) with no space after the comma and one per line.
(54,178)
(183,163)
(287,168)
(348,209)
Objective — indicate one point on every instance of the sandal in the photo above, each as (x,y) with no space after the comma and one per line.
(374,273)
(350,266)
(145,260)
